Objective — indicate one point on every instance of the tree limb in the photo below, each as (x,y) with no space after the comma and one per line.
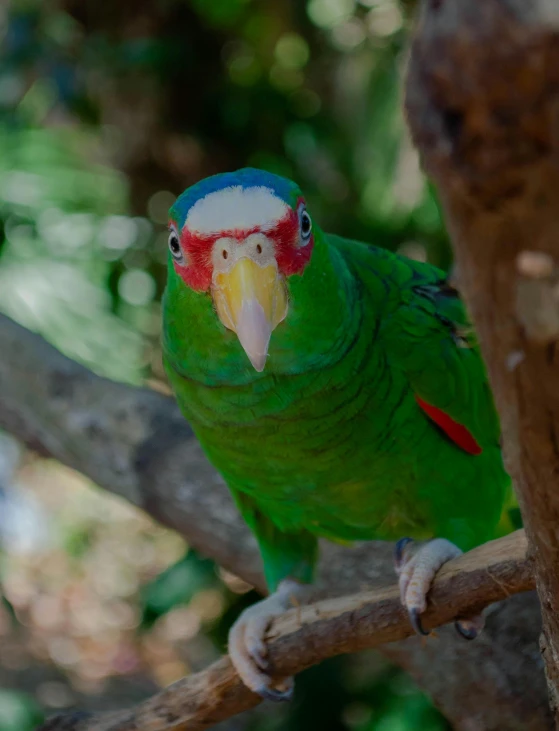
(307,635)
(483,105)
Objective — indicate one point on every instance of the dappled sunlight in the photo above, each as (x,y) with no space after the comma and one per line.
(75,591)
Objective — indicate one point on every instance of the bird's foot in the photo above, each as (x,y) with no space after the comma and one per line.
(247,642)
(416,568)
(470,627)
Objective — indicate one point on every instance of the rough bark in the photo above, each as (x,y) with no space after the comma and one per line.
(483,105)
(134,442)
(307,635)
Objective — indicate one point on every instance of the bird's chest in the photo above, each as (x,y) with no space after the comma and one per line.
(325,460)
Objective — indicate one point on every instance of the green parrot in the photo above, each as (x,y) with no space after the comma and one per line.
(337,387)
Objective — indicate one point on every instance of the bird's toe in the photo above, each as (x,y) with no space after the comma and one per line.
(416,572)
(255,632)
(415,621)
(400,553)
(471,627)
(281,692)
(249,655)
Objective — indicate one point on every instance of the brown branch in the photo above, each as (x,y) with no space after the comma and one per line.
(483,104)
(306,636)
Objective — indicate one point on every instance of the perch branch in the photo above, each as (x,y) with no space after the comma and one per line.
(310,634)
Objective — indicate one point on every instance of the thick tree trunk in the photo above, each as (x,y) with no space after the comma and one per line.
(483,106)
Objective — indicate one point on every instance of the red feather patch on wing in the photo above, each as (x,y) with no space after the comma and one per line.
(455,431)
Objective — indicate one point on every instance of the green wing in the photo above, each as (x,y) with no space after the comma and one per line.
(430,337)
(426,340)
(426,333)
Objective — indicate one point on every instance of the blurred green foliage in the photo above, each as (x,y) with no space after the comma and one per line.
(176,586)
(63,228)
(107,111)
(18,712)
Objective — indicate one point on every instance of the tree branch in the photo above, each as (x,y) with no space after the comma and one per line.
(483,104)
(307,635)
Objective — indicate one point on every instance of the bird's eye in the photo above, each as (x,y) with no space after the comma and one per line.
(175,247)
(306,227)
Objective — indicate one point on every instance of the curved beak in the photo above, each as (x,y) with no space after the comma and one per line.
(251,300)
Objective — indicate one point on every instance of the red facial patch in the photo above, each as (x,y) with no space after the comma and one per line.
(454,431)
(291,258)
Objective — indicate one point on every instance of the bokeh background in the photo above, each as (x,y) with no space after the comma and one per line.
(108,110)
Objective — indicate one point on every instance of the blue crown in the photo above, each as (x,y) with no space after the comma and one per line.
(247,178)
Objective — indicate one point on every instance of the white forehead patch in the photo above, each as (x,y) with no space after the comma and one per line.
(235,207)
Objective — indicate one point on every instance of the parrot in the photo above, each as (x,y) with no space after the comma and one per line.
(336,386)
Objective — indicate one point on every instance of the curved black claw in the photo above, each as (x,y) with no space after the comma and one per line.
(272,694)
(399,551)
(415,621)
(466,629)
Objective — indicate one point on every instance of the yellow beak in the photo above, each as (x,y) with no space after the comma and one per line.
(251,300)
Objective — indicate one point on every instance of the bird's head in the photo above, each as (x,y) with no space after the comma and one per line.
(239,237)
